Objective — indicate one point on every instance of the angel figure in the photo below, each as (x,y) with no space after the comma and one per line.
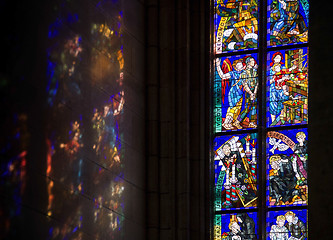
(235,93)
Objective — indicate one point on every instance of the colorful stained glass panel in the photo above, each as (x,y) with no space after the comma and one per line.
(236,25)
(286,224)
(235,171)
(235,92)
(236,226)
(287,22)
(287,87)
(287,167)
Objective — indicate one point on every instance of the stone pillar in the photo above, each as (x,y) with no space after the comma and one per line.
(176,120)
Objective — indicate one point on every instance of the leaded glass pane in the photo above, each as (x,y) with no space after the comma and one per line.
(236,25)
(236,226)
(287,87)
(235,109)
(287,22)
(235,92)
(287,224)
(236,171)
(287,167)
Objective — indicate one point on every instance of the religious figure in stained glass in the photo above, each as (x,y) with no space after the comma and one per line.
(287,167)
(288,22)
(236,87)
(295,226)
(236,171)
(236,24)
(279,231)
(250,84)
(287,87)
(287,225)
(240,226)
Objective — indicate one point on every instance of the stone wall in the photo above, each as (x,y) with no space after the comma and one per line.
(320,123)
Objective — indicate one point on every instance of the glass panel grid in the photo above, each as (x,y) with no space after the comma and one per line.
(286,105)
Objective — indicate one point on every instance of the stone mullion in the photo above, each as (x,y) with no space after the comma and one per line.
(197,120)
(182,81)
(167,119)
(152,121)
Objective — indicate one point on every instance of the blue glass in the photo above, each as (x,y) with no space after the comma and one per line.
(235,171)
(235,92)
(287,224)
(287,167)
(287,22)
(233,226)
(236,25)
(287,87)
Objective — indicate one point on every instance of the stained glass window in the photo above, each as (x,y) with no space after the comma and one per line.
(287,224)
(287,22)
(287,169)
(236,25)
(260,115)
(238,224)
(236,171)
(236,87)
(287,87)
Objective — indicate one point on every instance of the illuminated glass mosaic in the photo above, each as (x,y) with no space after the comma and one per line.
(287,87)
(236,113)
(236,25)
(287,167)
(288,224)
(287,22)
(236,226)
(235,92)
(235,171)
